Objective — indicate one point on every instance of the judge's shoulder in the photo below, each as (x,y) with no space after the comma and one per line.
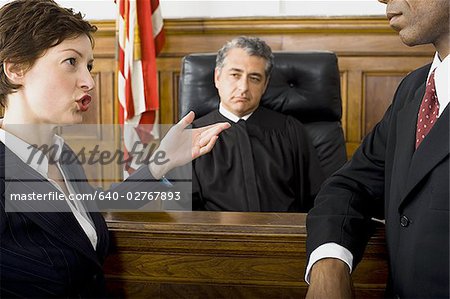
(210,118)
(262,117)
(270,119)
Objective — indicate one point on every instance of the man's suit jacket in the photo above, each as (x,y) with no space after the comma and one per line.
(47,254)
(410,188)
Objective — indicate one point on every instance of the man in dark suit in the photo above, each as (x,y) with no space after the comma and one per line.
(401,167)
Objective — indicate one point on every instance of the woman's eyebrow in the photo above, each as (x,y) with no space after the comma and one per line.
(78,52)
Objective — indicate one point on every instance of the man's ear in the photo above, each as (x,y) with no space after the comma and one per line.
(267,83)
(216,76)
(14,72)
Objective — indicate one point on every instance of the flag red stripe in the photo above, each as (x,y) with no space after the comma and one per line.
(129,96)
(121,60)
(160,39)
(154,5)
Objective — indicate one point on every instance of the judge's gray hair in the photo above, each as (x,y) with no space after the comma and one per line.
(253,46)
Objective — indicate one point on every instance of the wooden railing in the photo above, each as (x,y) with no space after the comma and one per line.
(221,255)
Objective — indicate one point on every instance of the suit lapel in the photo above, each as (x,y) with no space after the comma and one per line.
(102,234)
(75,174)
(80,184)
(433,149)
(20,179)
(406,131)
(59,221)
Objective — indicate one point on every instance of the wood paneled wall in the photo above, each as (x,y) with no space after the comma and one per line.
(372,59)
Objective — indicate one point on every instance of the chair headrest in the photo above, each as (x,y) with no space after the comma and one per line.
(305,85)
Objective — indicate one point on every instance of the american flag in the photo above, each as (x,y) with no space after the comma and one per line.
(140,39)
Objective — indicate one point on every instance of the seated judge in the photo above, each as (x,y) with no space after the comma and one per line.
(264,161)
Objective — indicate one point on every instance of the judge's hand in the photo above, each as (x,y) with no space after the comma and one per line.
(182,145)
(330,278)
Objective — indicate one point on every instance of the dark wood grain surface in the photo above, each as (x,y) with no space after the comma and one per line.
(221,255)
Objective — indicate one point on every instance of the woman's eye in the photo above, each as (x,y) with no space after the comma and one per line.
(71,61)
(90,67)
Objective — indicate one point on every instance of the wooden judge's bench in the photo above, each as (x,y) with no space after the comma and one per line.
(221,255)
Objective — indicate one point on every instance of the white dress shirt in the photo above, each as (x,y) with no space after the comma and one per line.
(231,116)
(39,162)
(441,78)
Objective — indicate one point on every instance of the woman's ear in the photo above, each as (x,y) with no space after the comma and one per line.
(14,72)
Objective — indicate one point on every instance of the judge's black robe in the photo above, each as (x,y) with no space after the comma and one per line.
(266,163)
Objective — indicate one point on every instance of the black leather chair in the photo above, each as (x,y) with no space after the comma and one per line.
(305,85)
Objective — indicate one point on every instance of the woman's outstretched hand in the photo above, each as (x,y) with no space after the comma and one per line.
(182,145)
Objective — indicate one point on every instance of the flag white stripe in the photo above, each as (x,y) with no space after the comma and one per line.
(122,36)
(157,21)
(121,89)
(137,86)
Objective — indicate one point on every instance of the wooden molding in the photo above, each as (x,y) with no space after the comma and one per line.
(277,32)
(105,27)
(244,25)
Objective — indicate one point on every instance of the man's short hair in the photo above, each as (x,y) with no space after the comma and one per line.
(253,46)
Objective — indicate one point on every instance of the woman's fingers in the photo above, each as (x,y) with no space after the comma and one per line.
(209,146)
(210,132)
(198,151)
(204,142)
(187,120)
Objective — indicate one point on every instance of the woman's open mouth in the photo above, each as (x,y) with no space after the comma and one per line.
(83,103)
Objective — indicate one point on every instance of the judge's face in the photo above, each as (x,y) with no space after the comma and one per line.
(241,82)
(57,88)
(419,21)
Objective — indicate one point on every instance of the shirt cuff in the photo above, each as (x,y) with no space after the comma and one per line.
(329,250)
(166,182)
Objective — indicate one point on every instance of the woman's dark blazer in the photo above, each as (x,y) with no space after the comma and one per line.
(47,254)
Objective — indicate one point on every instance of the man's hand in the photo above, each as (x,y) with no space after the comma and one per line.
(182,145)
(330,278)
